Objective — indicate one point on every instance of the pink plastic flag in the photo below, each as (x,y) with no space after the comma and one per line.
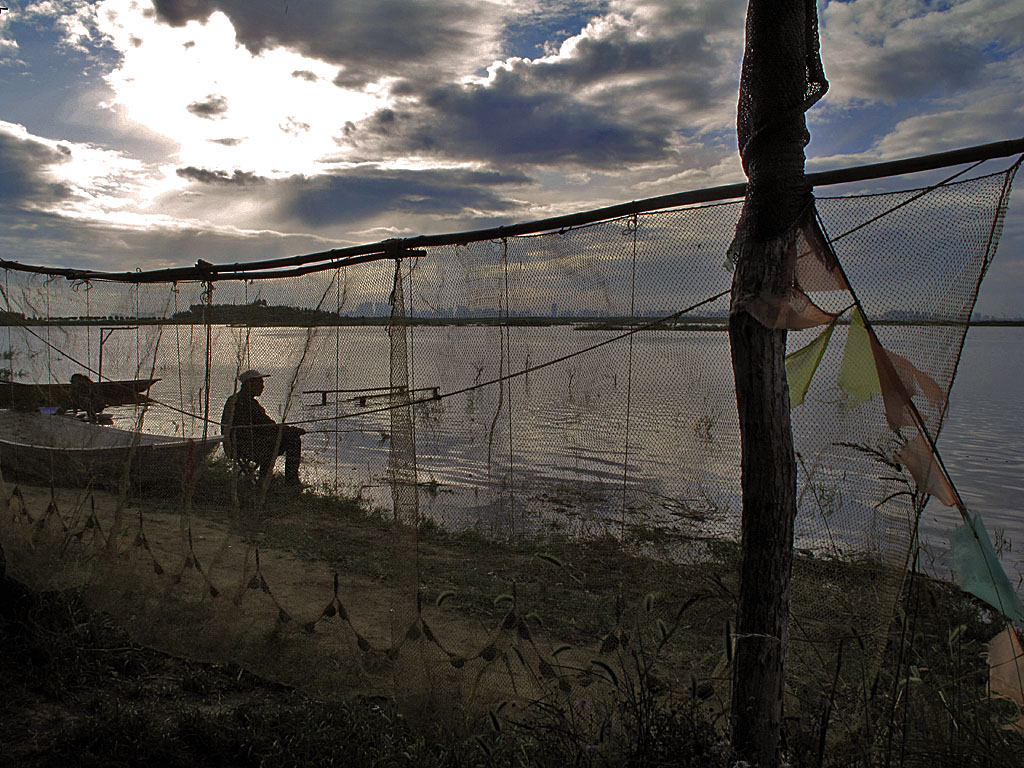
(795,312)
(817,268)
(917,456)
(1006,672)
(900,379)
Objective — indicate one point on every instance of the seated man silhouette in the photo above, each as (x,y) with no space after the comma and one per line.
(250,435)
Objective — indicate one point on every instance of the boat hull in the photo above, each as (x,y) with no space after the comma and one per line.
(69,452)
(30,397)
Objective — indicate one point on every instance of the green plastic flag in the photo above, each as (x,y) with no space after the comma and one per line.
(858,376)
(977,569)
(801,365)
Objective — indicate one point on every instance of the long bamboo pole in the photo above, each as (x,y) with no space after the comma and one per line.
(386,249)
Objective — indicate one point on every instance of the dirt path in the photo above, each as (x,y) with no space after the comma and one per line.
(212,591)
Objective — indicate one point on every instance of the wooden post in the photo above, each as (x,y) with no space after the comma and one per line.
(769,507)
(781,78)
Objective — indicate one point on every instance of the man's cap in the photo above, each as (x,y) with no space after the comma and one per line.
(251,374)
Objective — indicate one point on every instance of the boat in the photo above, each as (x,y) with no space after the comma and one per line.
(68,451)
(66,397)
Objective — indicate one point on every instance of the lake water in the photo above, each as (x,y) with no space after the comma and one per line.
(982,441)
(982,444)
(569,419)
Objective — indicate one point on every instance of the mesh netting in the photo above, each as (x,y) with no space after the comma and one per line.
(520,461)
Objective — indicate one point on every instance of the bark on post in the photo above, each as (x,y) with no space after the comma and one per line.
(781,78)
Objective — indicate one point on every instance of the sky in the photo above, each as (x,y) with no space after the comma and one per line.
(138,134)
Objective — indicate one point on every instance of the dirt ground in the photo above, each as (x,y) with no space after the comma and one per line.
(214,588)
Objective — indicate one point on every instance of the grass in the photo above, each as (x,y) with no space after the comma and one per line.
(931,699)
(81,692)
(573,587)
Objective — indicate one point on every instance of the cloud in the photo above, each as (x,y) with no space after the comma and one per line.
(95,245)
(294,127)
(619,92)
(506,124)
(212,108)
(876,50)
(366,193)
(677,59)
(917,77)
(540,26)
(75,19)
(163,87)
(368,39)
(994,114)
(24,180)
(203,176)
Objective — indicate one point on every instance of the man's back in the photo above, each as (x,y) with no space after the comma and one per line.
(251,435)
(227,419)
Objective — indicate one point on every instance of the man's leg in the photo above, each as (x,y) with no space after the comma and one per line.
(291,468)
(291,447)
(266,465)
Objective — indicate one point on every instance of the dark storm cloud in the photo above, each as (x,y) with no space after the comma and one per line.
(366,193)
(213,107)
(505,122)
(177,13)
(673,70)
(21,178)
(676,58)
(930,67)
(203,176)
(629,83)
(367,38)
(546,127)
(618,95)
(305,74)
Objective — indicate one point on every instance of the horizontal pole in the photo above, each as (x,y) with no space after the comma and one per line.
(401,248)
(362,395)
(347,391)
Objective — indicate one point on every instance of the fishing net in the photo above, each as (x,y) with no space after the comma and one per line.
(520,475)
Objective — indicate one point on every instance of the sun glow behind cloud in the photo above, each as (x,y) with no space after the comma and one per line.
(351,121)
(272,114)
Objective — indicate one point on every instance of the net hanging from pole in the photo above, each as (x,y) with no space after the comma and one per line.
(520,459)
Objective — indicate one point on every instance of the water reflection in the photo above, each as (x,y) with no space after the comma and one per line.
(551,449)
(982,445)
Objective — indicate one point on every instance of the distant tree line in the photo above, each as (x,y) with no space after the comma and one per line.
(259,312)
(256,313)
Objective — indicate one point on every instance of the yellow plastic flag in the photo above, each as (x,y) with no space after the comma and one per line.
(858,376)
(801,365)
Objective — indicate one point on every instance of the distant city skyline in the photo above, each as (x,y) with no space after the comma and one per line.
(370,309)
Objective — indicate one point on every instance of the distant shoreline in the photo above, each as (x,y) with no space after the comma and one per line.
(581,323)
